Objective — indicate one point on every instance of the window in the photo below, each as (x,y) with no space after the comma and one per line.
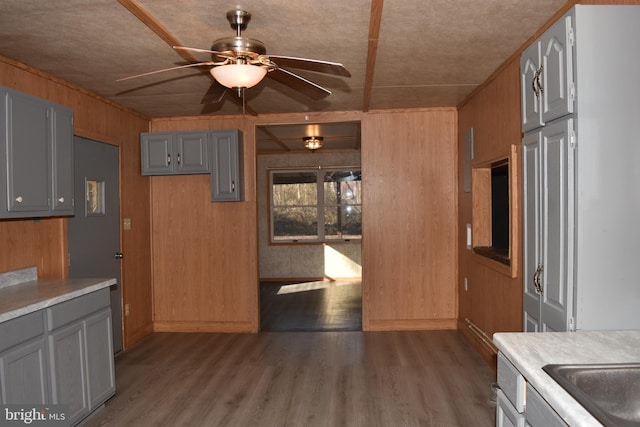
(320,205)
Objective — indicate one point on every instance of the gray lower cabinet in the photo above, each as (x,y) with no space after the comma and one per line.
(36,155)
(23,362)
(226,155)
(175,153)
(518,404)
(60,355)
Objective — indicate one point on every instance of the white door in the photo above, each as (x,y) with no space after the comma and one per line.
(94,231)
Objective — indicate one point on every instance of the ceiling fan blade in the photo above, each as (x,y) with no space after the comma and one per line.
(195,49)
(310,64)
(197,64)
(298,83)
(215,93)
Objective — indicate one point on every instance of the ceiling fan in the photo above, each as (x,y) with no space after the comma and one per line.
(240,63)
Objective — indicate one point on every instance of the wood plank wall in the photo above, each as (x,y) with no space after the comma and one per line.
(409,209)
(205,254)
(205,275)
(43,243)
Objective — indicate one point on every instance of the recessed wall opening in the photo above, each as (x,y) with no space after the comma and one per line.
(494,197)
(309,227)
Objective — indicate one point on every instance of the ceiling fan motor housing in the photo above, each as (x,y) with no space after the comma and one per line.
(242,46)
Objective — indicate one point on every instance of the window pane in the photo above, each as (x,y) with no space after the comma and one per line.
(291,223)
(343,222)
(295,189)
(342,187)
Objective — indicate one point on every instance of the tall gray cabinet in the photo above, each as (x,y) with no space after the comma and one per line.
(581,148)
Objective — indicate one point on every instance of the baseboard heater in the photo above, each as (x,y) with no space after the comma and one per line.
(479,333)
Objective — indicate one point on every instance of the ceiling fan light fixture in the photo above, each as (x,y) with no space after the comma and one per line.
(312,142)
(238,75)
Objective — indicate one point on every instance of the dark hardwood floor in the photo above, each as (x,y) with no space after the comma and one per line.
(311,306)
(417,378)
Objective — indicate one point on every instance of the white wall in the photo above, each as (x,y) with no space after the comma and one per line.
(340,260)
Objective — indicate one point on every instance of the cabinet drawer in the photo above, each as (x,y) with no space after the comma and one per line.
(21,329)
(511,382)
(506,414)
(539,413)
(77,308)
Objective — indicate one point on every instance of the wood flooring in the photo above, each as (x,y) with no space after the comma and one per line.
(311,306)
(368,379)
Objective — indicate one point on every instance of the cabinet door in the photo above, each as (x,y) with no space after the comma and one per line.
(99,348)
(61,126)
(532,233)
(225,166)
(506,414)
(67,367)
(27,151)
(557,70)
(157,153)
(557,221)
(530,94)
(24,374)
(191,152)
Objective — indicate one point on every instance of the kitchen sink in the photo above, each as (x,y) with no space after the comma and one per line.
(610,392)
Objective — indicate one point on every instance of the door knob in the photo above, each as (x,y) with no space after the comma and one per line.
(118,255)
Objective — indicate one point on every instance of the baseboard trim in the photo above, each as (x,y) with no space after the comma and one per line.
(409,324)
(131,339)
(212,327)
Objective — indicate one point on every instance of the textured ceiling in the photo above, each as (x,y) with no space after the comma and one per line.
(429,53)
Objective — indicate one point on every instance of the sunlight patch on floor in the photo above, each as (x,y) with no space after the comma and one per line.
(313,286)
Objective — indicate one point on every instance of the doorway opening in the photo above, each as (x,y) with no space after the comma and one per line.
(309,227)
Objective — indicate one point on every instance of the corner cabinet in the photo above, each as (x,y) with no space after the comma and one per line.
(36,153)
(218,152)
(579,117)
(175,153)
(226,157)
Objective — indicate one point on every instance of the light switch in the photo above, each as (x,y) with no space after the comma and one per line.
(127,223)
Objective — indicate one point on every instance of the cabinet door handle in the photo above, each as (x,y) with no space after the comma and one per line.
(168,159)
(233,186)
(536,279)
(533,85)
(178,158)
(19,199)
(540,87)
(61,200)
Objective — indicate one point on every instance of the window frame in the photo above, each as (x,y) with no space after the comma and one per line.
(320,205)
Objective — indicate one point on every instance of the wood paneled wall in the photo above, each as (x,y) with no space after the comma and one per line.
(205,254)
(205,273)
(43,243)
(409,226)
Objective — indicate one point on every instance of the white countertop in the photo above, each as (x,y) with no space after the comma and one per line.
(26,297)
(529,352)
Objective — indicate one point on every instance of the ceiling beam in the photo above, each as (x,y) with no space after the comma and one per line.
(374,32)
(154,25)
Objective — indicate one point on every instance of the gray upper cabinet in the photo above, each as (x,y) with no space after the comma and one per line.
(226,155)
(546,74)
(36,155)
(580,174)
(175,153)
